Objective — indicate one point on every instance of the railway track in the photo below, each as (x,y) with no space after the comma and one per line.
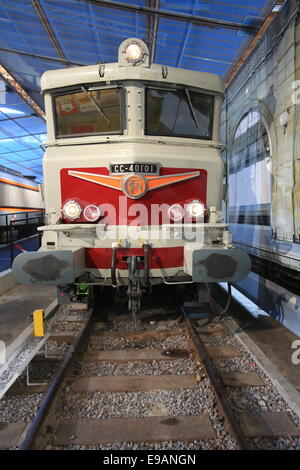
(167,382)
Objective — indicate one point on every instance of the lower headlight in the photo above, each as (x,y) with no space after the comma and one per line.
(195,209)
(176,212)
(72,210)
(91,213)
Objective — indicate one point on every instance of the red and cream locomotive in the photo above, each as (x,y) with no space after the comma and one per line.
(132,180)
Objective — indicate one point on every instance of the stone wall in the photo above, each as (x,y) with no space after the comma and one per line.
(266,81)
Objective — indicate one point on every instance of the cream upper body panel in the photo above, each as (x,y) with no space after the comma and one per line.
(131,145)
(134,122)
(133,75)
(54,79)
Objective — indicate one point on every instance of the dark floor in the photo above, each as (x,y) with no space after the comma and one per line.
(270,336)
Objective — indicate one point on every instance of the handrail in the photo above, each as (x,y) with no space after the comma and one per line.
(5,227)
(32,222)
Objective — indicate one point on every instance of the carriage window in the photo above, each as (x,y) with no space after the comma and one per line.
(181,112)
(88,112)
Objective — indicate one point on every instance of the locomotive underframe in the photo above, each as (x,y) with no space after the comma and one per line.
(61,260)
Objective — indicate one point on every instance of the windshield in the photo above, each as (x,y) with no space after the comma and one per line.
(180,112)
(88,112)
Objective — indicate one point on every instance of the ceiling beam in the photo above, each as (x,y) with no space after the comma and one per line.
(50,33)
(194,19)
(187,35)
(149,24)
(96,35)
(154,33)
(9,79)
(250,47)
(39,56)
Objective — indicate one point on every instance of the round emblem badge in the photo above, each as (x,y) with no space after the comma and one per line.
(134,186)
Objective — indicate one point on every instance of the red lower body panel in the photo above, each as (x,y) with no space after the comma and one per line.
(100,258)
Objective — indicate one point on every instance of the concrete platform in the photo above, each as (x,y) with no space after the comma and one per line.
(17,305)
(270,336)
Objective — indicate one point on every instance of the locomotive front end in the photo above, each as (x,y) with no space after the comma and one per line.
(133,180)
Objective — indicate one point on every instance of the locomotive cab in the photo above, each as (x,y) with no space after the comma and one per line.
(132,180)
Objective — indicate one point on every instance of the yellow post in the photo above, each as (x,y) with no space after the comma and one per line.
(38,322)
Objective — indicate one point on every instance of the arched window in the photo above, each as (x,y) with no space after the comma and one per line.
(250,172)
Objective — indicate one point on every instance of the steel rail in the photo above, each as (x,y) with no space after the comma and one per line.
(50,395)
(225,409)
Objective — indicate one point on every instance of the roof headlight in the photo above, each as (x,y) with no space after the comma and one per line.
(72,210)
(195,209)
(134,53)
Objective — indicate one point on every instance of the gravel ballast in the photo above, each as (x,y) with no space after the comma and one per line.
(71,405)
(157,403)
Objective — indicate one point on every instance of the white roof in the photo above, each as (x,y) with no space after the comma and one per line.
(90,74)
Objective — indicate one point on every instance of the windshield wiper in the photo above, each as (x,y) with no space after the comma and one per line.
(191,107)
(96,106)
